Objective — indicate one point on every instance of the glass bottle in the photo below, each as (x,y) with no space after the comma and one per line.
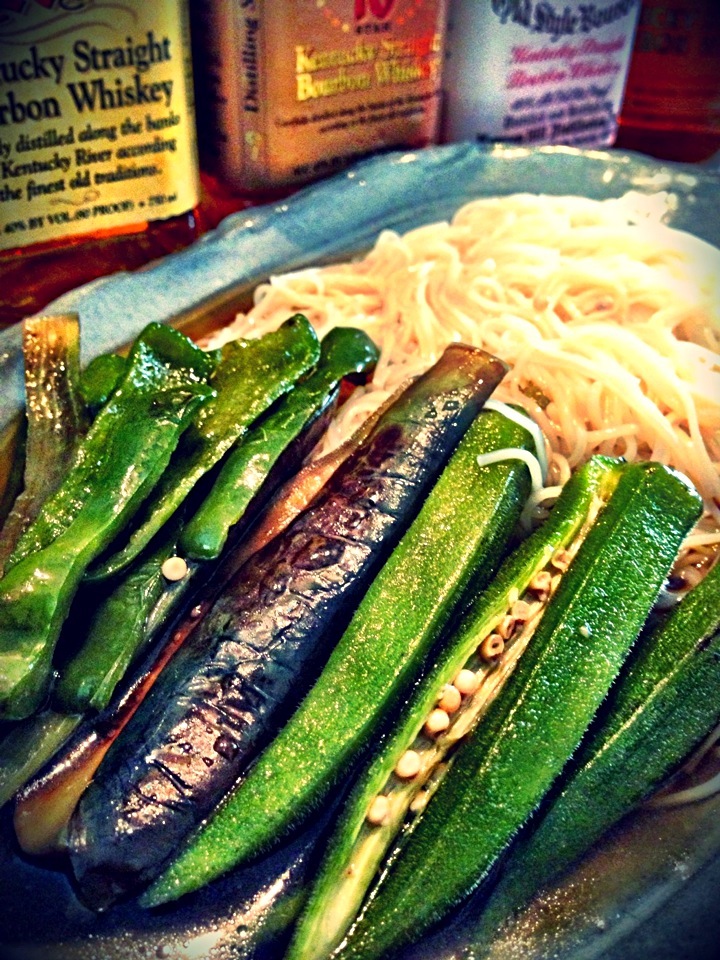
(98,161)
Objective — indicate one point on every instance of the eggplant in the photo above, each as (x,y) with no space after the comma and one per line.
(240,673)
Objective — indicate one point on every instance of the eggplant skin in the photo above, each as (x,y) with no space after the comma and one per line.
(240,673)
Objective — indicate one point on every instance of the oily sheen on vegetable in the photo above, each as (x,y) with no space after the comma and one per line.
(235,679)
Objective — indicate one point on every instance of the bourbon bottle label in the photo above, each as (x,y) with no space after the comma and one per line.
(300,88)
(96,117)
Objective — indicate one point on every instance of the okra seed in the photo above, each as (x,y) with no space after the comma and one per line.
(540,584)
(521,610)
(449,699)
(437,722)
(506,627)
(379,809)
(492,646)
(561,560)
(408,766)
(466,682)
(419,801)
(174,568)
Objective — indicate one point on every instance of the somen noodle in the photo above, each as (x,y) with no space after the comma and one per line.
(609,320)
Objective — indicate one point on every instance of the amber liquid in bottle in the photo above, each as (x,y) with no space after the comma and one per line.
(97,144)
(672,99)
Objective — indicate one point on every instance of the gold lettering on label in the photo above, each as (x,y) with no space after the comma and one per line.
(309,60)
(311,88)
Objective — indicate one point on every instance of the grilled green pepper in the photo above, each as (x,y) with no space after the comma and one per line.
(29,745)
(143,601)
(458,537)
(118,631)
(99,379)
(572,647)
(118,463)
(55,421)
(499,776)
(344,351)
(664,702)
(251,376)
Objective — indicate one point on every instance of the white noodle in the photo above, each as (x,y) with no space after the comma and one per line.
(608,319)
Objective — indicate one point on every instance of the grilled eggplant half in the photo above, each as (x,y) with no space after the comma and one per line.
(239,674)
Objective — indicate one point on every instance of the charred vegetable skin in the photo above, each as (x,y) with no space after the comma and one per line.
(501,774)
(118,463)
(236,677)
(456,541)
(55,418)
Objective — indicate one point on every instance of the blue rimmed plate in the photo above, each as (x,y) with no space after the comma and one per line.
(618,902)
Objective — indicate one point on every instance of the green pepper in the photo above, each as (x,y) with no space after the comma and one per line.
(29,745)
(99,379)
(457,539)
(344,351)
(501,773)
(55,422)
(251,376)
(664,703)
(118,632)
(118,463)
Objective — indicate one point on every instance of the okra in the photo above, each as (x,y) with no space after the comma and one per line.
(666,700)
(116,466)
(338,891)
(343,352)
(251,376)
(456,540)
(562,615)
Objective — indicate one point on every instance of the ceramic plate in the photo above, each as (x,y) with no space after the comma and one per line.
(648,888)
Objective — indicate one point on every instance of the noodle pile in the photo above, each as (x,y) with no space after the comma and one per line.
(609,320)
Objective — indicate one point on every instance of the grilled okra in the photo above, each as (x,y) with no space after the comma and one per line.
(549,620)
(665,701)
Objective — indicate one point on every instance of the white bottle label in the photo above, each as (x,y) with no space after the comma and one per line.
(535,71)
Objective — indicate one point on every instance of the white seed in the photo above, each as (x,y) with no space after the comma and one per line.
(408,766)
(540,584)
(466,682)
(491,647)
(449,699)
(174,568)
(437,722)
(521,610)
(561,560)
(506,627)
(419,801)
(378,811)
